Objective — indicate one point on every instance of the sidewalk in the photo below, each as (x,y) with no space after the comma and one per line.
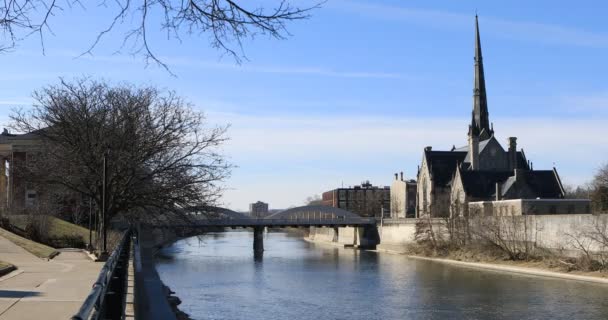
(41,289)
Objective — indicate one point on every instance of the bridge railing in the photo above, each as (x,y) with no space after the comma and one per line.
(105,301)
(312,219)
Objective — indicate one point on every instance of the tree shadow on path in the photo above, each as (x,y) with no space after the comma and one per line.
(18,294)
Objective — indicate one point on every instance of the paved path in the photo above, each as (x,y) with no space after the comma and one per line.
(41,289)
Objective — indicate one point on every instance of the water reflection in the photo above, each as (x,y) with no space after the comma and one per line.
(218,278)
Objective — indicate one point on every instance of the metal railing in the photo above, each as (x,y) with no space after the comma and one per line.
(106,299)
(317,219)
(150,294)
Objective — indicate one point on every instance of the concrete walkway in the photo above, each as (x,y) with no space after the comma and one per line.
(41,289)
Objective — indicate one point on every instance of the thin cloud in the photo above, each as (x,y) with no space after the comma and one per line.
(173,61)
(319,152)
(521,30)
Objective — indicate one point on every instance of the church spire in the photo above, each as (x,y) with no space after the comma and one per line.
(481,120)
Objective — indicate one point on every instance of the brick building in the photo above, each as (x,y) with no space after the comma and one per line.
(365,200)
(16,151)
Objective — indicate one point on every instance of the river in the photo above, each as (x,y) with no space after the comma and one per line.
(217,277)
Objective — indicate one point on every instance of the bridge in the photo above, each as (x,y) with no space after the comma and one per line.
(211,218)
(129,286)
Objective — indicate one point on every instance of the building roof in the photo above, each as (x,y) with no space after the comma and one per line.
(482,184)
(7,136)
(442,165)
(542,183)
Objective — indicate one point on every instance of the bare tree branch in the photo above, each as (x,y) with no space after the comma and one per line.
(227,22)
(160,152)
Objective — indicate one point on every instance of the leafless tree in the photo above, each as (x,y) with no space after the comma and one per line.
(578,192)
(227,22)
(513,235)
(314,200)
(161,155)
(592,243)
(599,195)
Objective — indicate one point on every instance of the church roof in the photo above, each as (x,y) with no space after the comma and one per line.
(442,165)
(543,183)
(482,184)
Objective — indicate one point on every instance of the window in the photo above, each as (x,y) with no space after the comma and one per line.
(30,198)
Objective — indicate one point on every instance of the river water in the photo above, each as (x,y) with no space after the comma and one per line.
(217,277)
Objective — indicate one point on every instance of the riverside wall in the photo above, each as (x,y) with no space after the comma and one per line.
(554,232)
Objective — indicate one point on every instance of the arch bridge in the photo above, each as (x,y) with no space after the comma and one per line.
(299,217)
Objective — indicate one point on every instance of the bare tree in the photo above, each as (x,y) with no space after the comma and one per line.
(227,22)
(513,235)
(578,192)
(314,200)
(160,153)
(599,196)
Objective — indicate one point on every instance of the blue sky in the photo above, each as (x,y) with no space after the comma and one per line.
(359,89)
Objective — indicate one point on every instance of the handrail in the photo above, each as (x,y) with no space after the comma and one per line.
(95,301)
(150,296)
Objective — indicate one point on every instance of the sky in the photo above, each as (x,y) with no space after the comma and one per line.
(358,90)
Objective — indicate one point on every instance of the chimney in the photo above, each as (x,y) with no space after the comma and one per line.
(498,191)
(474,151)
(512,153)
(396,178)
(401,175)
(428,148)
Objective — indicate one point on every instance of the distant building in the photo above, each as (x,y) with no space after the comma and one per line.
(365,200)
(403,198)
(17,152)
(258,209)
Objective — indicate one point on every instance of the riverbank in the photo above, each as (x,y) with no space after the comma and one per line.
(542,267)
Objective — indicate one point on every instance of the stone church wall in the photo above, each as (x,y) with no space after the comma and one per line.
(518,207)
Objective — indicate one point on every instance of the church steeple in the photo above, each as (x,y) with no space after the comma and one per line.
(481,121)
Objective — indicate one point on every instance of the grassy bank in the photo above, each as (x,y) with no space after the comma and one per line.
(58,233)
(38,249)
(6,268)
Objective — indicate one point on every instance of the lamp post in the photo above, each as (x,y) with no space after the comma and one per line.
(90,223)
(103,204)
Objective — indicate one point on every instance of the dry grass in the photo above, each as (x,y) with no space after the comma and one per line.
(35,248)
(545,260)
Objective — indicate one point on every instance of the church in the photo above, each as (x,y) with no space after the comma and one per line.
(483,172)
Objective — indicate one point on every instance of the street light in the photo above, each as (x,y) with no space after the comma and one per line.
(103,204)
(90,223)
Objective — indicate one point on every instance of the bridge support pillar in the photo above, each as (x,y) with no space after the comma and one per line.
(258,240)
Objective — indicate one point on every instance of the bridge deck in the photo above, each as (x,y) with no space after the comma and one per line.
(291,222)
